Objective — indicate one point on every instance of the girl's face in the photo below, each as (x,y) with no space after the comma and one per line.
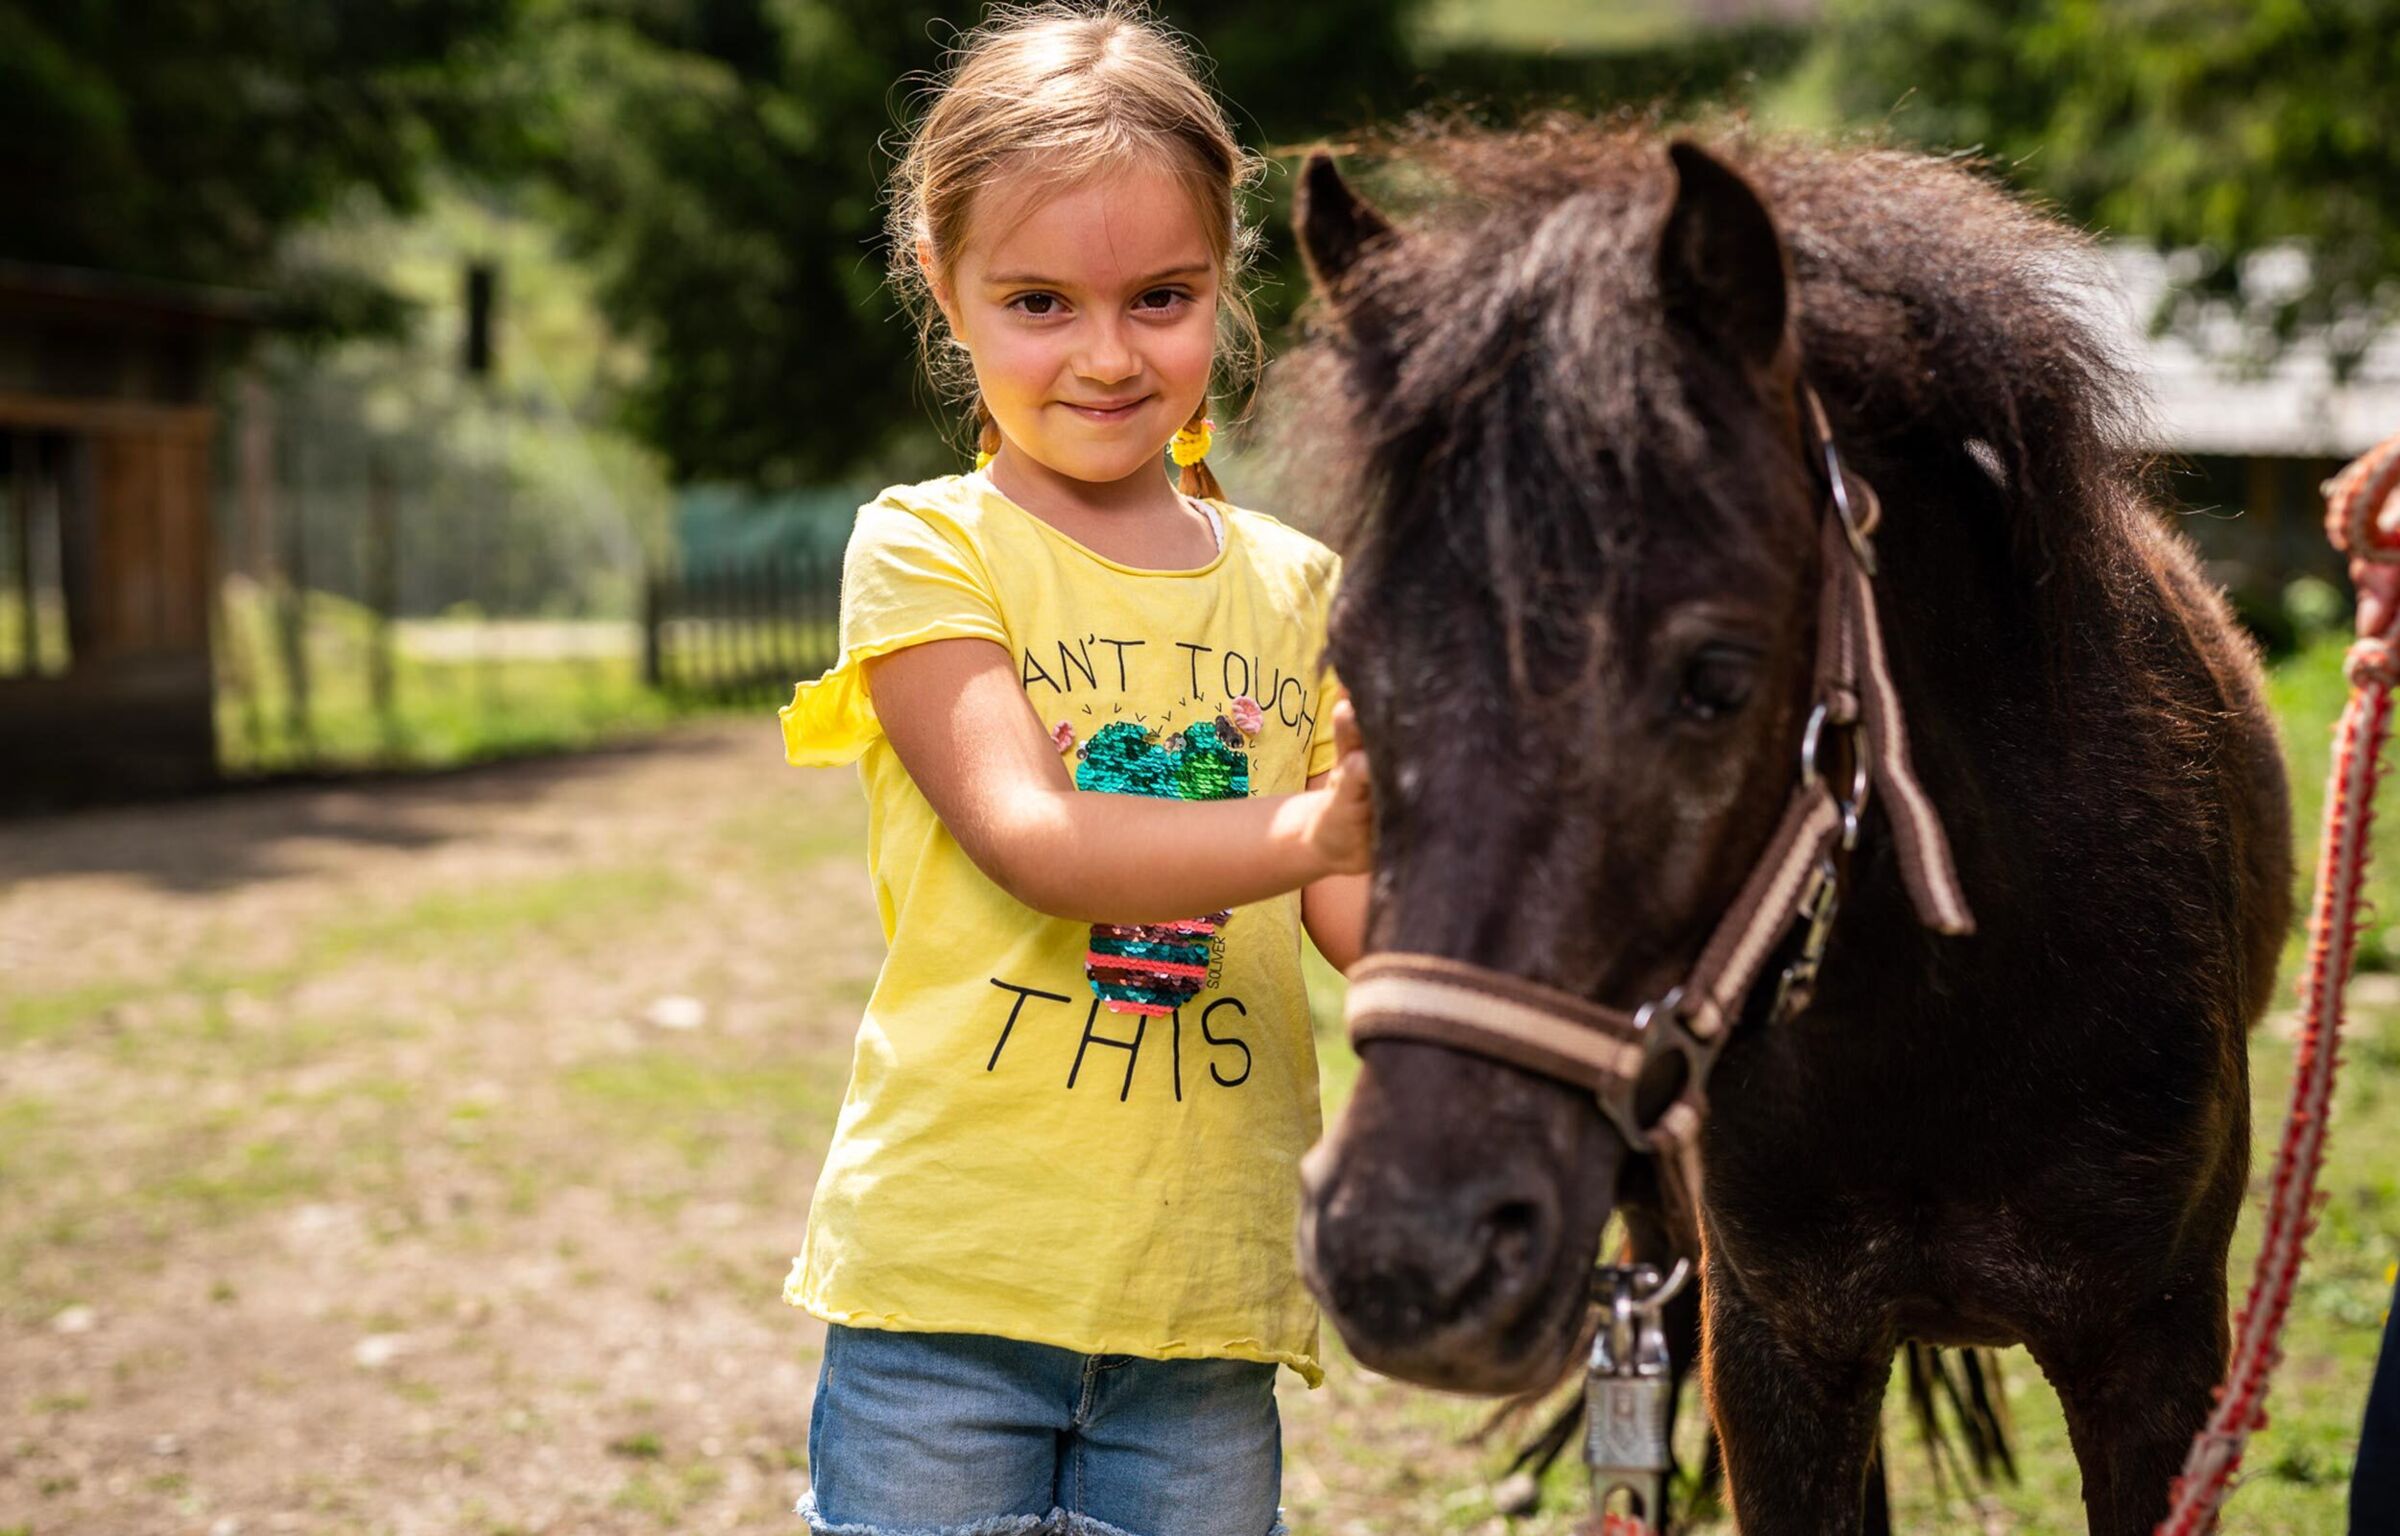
(1090,312)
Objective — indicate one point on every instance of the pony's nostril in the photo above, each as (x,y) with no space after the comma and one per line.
(1512,1237)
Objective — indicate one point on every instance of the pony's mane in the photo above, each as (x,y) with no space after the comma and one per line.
(1946,324)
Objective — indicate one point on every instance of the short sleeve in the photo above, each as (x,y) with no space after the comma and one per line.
(905,581)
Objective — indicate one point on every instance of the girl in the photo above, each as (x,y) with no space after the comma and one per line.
(1053,1238)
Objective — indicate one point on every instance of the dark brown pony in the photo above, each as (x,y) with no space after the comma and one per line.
(1577,620)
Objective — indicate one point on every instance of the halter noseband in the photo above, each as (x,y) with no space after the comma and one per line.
(1794,886)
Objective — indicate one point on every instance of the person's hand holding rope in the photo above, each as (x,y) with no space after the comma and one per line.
(2363,517)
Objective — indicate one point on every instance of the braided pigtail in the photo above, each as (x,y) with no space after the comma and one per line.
(1190,452)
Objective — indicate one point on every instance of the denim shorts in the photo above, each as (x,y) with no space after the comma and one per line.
(959,1434)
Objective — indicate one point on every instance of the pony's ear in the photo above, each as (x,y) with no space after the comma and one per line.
(1722,270)
(1336,225)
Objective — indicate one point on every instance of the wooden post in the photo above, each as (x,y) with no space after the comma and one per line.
(652,618)
(23,454)
(383,594)
(255,458)
(291,605)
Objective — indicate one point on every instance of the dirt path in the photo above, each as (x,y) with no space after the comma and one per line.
(356,1175)
(426,1157)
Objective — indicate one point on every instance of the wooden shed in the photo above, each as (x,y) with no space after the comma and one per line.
(107,559)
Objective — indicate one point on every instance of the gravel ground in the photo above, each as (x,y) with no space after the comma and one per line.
(426,1157)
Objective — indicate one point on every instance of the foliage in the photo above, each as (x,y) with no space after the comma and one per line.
(184,138)
(511,490)
(2235,128)
(724,162)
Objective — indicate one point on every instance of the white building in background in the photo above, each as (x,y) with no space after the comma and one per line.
(2245,446)
(2292,407)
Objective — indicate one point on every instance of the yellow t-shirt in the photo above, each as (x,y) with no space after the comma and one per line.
(1080,1136)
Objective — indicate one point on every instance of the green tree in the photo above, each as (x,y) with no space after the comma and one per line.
(724,160)
(184,139)
(2227,127)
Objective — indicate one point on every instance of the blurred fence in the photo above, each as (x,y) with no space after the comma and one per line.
(740,631)
(421,567)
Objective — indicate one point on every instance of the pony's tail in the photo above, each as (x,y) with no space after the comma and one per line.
(1977,1438)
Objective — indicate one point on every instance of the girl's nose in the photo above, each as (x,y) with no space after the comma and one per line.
(1105,356)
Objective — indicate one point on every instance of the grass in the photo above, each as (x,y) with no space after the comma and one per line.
(436,712)
(266,1088)
(456,693)
(49,632)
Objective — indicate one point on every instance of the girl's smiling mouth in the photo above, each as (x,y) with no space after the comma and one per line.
(1120,411)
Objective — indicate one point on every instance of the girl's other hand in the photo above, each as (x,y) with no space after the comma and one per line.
(1344,829)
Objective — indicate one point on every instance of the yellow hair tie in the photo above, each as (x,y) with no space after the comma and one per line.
(1191,444)
(982,460)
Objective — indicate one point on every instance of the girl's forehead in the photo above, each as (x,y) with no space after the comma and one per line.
(1127,224)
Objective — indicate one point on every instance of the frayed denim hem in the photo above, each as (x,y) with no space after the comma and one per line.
(1074,1524)
(1059,1522)
(998,1525)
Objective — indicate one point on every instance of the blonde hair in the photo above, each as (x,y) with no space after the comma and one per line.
(1071,89)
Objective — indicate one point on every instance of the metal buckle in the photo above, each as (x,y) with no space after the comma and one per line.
(1798,983)
(1660,1028)
(1629,1392)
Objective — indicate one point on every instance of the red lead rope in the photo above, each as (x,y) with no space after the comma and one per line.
(2358,502)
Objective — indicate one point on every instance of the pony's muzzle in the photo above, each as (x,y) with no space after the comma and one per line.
(1432,1279)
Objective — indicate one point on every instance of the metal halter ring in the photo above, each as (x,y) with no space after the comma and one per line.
(1842,509)
(1812,741)
(1661,1030)
(1666,1290)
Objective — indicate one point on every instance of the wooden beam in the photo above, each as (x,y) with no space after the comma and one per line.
(58,413)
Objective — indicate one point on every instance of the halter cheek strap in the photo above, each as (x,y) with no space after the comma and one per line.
(1793,887)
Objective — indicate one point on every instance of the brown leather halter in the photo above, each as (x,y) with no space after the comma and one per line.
(1794,885)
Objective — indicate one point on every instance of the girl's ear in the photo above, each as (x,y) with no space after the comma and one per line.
(937,283)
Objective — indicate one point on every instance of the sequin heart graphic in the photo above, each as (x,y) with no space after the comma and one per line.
(1152,968)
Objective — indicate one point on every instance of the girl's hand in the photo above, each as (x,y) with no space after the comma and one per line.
(1344,828)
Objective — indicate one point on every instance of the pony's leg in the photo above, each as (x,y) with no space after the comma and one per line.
(2134,1396)
(1798,1419)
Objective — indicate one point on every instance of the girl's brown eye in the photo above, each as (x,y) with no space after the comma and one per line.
(1036,303)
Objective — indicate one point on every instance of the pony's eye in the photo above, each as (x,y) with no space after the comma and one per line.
(1716,683)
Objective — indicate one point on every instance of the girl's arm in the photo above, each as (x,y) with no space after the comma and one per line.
(957,715)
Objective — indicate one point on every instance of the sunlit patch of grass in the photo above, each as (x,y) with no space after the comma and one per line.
(26,1017)
(701,1104)
(253,1175)
(26,1142)
(448,925)
(498,916)
(788,836)
(667,1494)
(440,712)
